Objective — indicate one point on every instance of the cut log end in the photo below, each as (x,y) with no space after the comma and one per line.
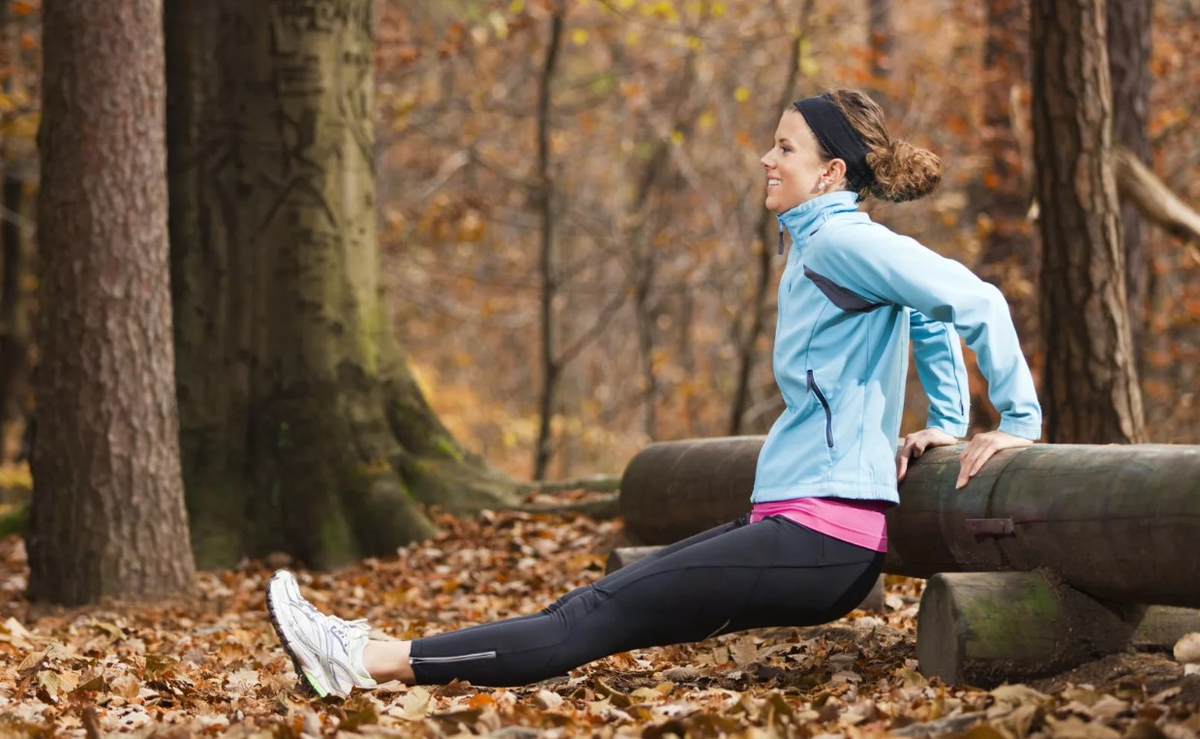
(982,628)
(941,634)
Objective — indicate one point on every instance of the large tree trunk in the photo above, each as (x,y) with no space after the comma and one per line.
(302,429)
(1116,522)
(1129,65)
(108,518)
(1090,386)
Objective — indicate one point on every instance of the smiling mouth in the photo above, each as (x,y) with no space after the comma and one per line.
(773,182)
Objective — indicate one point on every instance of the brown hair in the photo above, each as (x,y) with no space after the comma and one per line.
(902,171)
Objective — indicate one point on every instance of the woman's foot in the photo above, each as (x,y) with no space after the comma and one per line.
(326,651)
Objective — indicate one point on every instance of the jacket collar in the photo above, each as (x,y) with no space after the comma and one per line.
(803,220)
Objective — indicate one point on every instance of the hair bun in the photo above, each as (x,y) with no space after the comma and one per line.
(904,172)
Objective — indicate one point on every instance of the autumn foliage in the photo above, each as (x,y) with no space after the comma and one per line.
(661,111)
(213,667)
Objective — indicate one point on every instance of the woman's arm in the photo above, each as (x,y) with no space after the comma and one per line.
(882,266)
(937,354)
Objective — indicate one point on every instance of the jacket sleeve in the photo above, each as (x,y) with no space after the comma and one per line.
(882,266)
(938,356)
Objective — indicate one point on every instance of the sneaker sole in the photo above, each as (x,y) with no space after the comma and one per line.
(304,682)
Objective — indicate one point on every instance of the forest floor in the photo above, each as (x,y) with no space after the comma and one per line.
(211,664)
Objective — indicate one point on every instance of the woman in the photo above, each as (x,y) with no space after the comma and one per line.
(852,296)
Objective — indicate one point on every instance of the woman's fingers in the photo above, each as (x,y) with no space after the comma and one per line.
(914,446)
(982,448)
(978,450)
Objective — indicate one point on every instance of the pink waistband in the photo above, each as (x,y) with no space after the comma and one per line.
(858,522)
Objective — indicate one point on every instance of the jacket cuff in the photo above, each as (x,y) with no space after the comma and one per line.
(1025,429)
(957,429)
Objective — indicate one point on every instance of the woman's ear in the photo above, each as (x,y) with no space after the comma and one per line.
(836,170)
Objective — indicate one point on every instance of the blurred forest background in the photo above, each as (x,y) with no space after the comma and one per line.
(572,247)
(660,112)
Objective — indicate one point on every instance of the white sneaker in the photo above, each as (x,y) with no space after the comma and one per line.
(325,650)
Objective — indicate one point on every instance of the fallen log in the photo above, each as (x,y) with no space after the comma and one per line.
(699,483)
(983,628)
(1116,522)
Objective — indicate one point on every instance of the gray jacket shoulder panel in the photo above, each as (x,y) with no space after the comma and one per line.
(840,296)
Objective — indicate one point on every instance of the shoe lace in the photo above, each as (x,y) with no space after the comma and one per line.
(339,627)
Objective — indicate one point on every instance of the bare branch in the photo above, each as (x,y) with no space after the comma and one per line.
(1154,199)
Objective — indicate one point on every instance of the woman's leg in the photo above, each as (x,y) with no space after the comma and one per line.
(773,573)
(335,656)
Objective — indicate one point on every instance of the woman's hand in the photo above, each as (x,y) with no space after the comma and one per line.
(916,444)
(981,448)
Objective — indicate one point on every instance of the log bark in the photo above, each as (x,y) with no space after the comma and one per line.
(1162,626)
(1113,521)
(108,518)
(984,628)
(702,483)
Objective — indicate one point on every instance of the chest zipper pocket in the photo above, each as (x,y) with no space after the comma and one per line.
(815,389)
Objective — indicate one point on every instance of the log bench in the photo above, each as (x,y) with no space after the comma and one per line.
(1052,555)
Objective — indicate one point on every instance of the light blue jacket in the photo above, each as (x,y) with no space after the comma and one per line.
(852,296)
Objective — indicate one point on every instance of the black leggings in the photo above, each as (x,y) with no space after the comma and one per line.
(733,577)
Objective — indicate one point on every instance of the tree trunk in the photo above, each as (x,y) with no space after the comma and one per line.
(14,319)
(551,367)
(108,518)
(881,41)
(1090,386)
(1129,65)
(302,429)
(764,235)
(1003,194)
(1116,522)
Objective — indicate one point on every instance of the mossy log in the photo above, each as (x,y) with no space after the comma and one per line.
(1113,521)
(983,628)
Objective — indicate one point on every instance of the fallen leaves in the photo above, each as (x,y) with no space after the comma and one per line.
(212,666)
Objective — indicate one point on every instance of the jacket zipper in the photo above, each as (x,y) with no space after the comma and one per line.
(816,389)
(455,658)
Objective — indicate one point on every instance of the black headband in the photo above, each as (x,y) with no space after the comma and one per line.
(837,137)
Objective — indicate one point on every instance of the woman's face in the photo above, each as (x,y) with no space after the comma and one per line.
(794,167)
